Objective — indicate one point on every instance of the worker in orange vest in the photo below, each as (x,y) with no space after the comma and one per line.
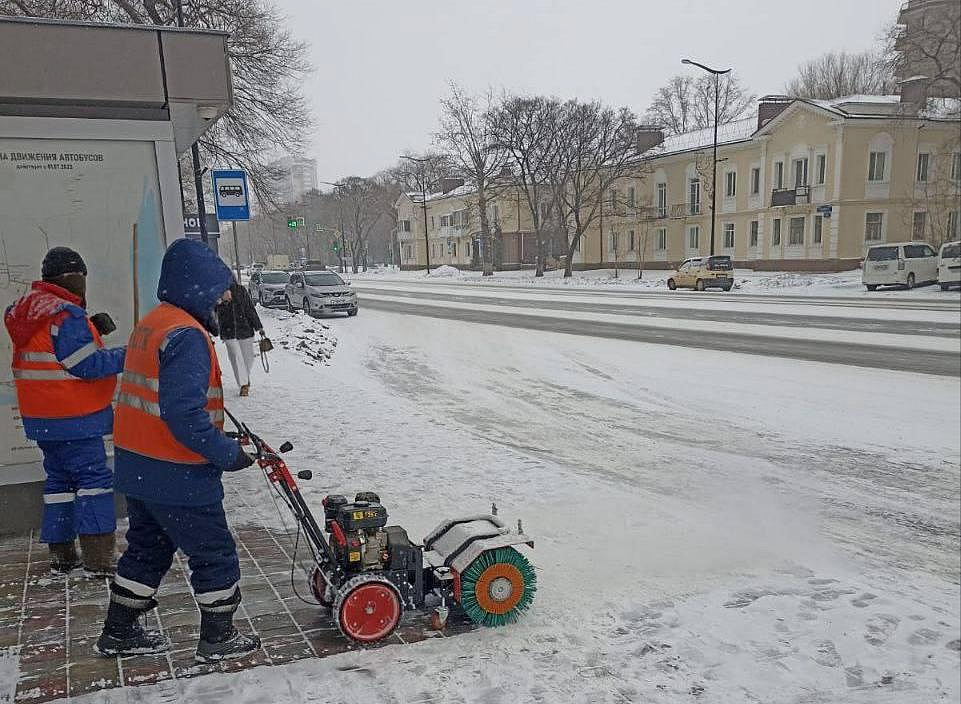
(65,382)
(170,453)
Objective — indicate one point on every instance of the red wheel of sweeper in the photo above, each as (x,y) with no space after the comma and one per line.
(318,586)
(367,608)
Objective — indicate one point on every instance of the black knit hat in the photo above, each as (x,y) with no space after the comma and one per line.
(60,261)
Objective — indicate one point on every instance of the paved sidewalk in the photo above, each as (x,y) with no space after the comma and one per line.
(52,622)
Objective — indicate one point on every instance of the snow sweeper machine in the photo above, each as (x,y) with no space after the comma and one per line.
(368,573)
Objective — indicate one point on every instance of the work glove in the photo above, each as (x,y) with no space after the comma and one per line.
(103,323)
(243,460)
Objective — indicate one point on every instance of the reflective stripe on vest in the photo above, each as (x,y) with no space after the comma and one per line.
(139,426)
(45,389)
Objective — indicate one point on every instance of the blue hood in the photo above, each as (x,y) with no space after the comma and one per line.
(193,277)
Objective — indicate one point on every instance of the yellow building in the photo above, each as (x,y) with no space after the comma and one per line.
(803,185)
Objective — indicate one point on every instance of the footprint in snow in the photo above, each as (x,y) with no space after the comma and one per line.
(880,628)
(863,600)
(924,636)
(826,654)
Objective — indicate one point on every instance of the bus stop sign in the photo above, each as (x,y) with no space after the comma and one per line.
(230,195)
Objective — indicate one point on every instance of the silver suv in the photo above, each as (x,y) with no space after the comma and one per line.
(319,292)
(267,287)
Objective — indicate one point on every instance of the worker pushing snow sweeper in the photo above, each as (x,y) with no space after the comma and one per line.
(65,381)
(170,453)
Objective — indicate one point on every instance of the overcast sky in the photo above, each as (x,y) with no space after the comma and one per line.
(381,66)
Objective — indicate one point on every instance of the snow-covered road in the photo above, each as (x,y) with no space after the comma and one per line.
(710,526)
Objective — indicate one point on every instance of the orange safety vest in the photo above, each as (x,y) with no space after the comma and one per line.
(138,426)
(45,389)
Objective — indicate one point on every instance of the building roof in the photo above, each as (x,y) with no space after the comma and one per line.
(728,133)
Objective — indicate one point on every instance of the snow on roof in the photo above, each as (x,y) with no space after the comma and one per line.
(855,105)
(728,133)
(459,191)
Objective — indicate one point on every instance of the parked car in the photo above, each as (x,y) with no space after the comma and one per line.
(267,287)
(702,273)
(949,265)
(319,292)
(899,264)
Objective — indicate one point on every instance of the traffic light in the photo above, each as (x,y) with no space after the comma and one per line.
(292,223)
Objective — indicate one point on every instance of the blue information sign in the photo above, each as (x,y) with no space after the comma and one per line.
(230,195)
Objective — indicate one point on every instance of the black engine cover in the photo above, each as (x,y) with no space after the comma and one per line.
(361,515)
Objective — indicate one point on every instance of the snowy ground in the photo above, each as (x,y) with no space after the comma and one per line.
(710,527)
(846,283)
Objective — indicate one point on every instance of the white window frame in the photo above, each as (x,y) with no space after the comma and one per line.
(817,230)
(631,196)
(778,175)
(660,189)
(660,238)
(922,172)
(954,225)
(730,184)
(876,157)
(694,196)
(790,230)
(800,179)
(754,234)
(776,231)
(755,180)
(726,228)
(820,168)
(914,224)
(956,167)
(694,236)
(881,225)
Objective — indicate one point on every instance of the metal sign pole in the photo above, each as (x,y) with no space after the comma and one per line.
(233,226)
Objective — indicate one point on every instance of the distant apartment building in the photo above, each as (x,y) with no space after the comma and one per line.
(801,185)
(298,176)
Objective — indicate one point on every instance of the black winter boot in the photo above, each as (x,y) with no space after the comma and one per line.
(63,557)
(122,632)
(219,640)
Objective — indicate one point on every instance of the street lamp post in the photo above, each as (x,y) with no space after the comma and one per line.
(343,242)
(423,189)
(717,102)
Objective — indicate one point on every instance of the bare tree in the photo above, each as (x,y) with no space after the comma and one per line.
(363,211)
(598,146)
(466,134)
(926,41)
(838,73)
(686,103)
(269,113)
(528,128)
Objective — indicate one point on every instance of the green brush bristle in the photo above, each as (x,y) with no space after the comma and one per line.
(468,586)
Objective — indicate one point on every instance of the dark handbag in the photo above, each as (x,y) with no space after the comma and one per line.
(265,346)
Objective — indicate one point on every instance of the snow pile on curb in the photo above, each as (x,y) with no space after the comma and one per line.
(309,338)
(445,272)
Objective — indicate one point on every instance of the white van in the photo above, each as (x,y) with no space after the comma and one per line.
(949,265)
(900,264)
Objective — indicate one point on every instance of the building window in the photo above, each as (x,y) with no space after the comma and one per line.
(776,233)
(631,197)
(630,240)
(796,231)
(923,160)
(919,224)
(778,175)
(661,239)
(729,235)
(404,225)
(821,166)
(755,181)
(954,225)
(613,197)
(694,197)
(453,249)
(662,200)
(800,172)
(693,237)
(730,184)
(956,167)
(495,213)
(613,242)
(873,225)
(432,225)
(876,166)
(754,230)
(818,227)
